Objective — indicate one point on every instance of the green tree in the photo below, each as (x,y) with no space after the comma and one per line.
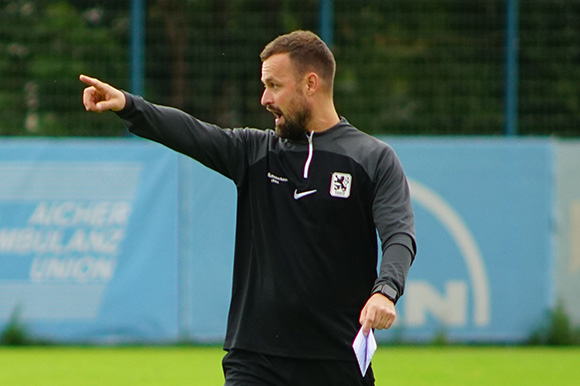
(549,68)
(222,66)
(421,67)
(404,67)
(48,44)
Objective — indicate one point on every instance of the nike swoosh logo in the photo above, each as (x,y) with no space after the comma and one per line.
(298,196)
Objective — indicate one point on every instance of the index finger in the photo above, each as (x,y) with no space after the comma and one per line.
(367,321)
(367,327)
(91,81)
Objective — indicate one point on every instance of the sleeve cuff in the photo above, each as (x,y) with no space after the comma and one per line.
(387,291)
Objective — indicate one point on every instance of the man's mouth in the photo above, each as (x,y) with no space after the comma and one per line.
(277,114)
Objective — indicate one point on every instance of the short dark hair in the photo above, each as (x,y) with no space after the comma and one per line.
(307,51)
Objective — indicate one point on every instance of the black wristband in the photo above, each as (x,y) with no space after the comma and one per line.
(387,291)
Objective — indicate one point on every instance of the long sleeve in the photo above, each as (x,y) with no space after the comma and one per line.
(223,150)
(393,216)
(395,264)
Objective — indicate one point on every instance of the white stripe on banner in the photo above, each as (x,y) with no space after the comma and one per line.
(49,180)
(68,301)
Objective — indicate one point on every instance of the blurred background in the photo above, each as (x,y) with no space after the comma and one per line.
(453,67)
(108,239)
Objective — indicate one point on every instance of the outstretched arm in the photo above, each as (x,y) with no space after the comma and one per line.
(223,150)
(100,96)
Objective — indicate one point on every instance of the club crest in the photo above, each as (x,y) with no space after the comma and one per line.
(340,184)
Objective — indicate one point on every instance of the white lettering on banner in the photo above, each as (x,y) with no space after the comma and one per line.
(466,245)
(449,308)
(63,225)
(24,241)
(98,241)
(70,241)
(81,270)
(70,213)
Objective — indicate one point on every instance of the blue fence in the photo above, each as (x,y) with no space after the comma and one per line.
(125,241)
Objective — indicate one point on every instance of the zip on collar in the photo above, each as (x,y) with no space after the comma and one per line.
(310,151)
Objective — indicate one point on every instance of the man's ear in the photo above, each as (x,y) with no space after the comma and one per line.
(312,83)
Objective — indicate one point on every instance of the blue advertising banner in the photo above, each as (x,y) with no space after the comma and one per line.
(111,241)
(88,239)
(484,229)
(207,228)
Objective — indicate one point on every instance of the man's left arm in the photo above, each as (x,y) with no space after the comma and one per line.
(394,220)
(379,311)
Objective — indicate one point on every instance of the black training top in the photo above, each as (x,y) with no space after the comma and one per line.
(308,211)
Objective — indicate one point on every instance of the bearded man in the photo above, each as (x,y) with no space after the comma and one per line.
(312,195)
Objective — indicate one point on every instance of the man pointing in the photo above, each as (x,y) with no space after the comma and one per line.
(312,195)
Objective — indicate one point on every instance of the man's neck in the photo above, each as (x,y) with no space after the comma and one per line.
(324,118)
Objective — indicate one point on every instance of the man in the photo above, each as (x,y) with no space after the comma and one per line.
(311,196)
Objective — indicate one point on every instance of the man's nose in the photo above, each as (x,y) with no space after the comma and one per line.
(266,98)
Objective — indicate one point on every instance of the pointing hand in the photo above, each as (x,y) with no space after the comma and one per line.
(101,96)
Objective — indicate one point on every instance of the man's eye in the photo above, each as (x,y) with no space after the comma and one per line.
(272,86)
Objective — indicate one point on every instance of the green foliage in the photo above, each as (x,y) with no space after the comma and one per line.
(549,57)
(421,67)
(224,39)
(557,330)
(15,333)
(440,338)
(404,67)
(48,44)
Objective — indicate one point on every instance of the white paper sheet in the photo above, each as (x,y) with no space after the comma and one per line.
(364,347)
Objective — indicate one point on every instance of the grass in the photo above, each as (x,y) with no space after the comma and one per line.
(160,366)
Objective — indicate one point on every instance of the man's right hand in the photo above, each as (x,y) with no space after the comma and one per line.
(101,97)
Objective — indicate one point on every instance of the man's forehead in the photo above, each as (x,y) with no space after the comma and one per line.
(276,66)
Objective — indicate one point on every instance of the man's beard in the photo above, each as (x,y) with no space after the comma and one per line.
(294,128)
(294,125)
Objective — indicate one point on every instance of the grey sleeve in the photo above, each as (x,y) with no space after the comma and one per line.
(223,150)
(394,220)
(395,265)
